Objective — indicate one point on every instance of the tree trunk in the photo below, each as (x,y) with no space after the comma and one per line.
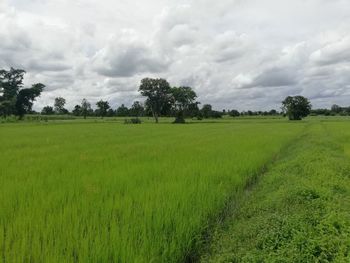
(155,115)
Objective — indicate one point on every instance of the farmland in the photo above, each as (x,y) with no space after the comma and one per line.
(108,192)
(299,211)
(102,191)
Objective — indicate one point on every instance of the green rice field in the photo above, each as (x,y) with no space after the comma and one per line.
(86,191)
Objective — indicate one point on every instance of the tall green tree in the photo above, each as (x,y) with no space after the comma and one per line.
(14,99)
(296,107)
(47,110)
(26,97)
(102,108)
(234,113)
(59,105)
(183,98)
(158,93)
(77,110)
(137,109)
(336,109)
(193,110)
(85,108)
(207,111)
(122,111)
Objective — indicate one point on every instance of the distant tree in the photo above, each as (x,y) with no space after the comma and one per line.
(347,110)
(158,93)
(296,107)
(234,113)
(102,108)
(193,110)
(14,99)
(47,110)
(216,114)
(59,105)
(111,113)
(207,111)
(183,97)
(122,111)
(272,112)
(77,110)
(336,109)
(85,108)
(137,109)
(325,112)
(26,97)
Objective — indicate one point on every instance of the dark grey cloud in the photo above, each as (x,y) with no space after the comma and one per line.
(276,77)
(126,55)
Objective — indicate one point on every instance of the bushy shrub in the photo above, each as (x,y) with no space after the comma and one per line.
(132,121)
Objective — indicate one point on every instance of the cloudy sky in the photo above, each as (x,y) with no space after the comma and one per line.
(243,54)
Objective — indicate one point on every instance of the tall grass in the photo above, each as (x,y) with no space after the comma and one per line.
(109,192)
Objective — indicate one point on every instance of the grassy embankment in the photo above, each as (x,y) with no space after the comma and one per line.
(300,210)
(107,192)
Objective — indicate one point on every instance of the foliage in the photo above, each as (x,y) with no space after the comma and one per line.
(59,105)
(47,110)
(77,110)
(132,121)
(111,113)
(102,108)
(183,97)
(25,98)
(85,108)
(137,109)
(14,99)
(158,93)
(207,111)
(296,107)
(234,113)
(122,111)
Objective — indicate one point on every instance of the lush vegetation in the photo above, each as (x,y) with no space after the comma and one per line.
(81,186)
(299,212)
(109,192)
(14,98)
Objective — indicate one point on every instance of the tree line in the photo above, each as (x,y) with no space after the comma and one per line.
(161,100)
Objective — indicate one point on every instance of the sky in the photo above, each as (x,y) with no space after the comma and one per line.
(236,54)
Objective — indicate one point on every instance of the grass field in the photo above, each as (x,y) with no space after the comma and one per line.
(109,192)
(300,210)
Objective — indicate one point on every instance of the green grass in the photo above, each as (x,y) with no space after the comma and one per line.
(108,192)
(299,211)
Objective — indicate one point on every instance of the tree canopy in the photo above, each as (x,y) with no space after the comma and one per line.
(59,105)
(183,98)
(14,99)
(102,108)
(158,93)
(296,107)
(137,109)
(85,108)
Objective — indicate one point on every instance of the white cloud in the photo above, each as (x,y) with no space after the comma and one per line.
(333,53)
(235,53)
